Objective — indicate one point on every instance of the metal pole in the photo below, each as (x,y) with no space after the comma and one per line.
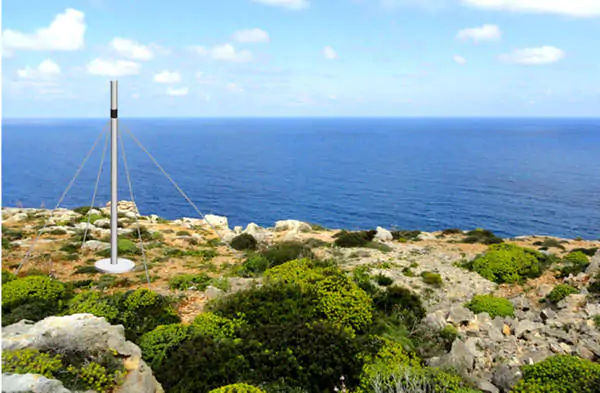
(114,130)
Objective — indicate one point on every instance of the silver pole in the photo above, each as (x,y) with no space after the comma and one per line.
(114,130)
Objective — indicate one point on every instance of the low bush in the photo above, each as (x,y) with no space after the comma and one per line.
(494,306)
(238,388)
(560,292)
(287,251)
(347,239)
(508,263)
(431,278)
(482,236)
(254,265)
(406,235)
(361,277)
(548,243)
(590,252)
(125,247)
(216,326)
(244,242)
(184,282)
(139,311)
(31,288)
(577,258)
(6,244)
(560,374)
(452,231)
(383,280)
(155,343)
(7,276)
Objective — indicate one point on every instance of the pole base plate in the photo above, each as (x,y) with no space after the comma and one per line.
(122,266)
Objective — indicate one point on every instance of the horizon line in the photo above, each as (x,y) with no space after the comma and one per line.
(316,116)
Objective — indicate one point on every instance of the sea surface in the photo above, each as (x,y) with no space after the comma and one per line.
(513,176)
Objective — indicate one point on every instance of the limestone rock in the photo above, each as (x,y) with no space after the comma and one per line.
(84,225)
(102,223)
(216,221)
(96,245)
(19,217)
(426,236)
(21,383)
(594,266)
(292,225)
(55,230)
(81,332)
(260,234)
(383,235)
(212,292)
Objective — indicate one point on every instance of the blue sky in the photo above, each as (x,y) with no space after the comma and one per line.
(301,57)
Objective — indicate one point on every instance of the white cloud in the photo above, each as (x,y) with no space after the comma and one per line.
(329,53)
(251,35)
(178,92)
(289,4)
(577,8)
(167,77)
(46,69)
(534,56)
(227,52)
(111,67)
(234,88)
(484,33)
(224,52)
(460,59)
(131,49)
(66,33)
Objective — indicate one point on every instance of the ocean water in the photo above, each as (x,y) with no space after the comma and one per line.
(513,176)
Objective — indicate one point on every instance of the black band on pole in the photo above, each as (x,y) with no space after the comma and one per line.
(113,113)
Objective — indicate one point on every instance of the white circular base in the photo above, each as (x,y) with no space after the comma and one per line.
(122,266)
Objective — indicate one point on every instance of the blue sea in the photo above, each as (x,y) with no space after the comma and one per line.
(513,176)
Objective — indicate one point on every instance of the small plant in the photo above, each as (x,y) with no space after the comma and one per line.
(587,251)
(407,271)
(182,233)
(383,280)
(244,242)
(85,270)
(353,239)
(452,231)
(548,243)
(285,252)
(494,306)
(577,258)
(406,235)
(183,282)
(560,292)
(560,374)
(508,263)
(482,236)
(431,278)
(597,321)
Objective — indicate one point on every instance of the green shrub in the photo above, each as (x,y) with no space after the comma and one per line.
(361,277)
(182,233)
(139,311)
(452,231)
(596,319)
(12,234)
(397,299)
(92,219)
(560,374)
(548,243)
(353,239)
(30,361)
(84,269)
(508,263)
(254,265)
(211,324)
(32,288)
(577,258)
(287,251)
(408,272)
(6,244)
(590,252)
(7,276)
(183,282)
(431,278)
(406,235)
(482,236)
(93,302)
(560,292)
(244,242)
(83,210)
(383,280)
(494,306)
(449,333)
(237,388)
(155,343)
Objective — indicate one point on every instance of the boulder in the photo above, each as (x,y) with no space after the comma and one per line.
(212,292)
(102,223)
(84,225)
(292,225)
(19,217)
(594,266)
(505,377)
(80,332)
(96,245)
(55,230)
(21,383)
(216,221)
(426,236)
(458,314)
(260,234)
(383,235)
